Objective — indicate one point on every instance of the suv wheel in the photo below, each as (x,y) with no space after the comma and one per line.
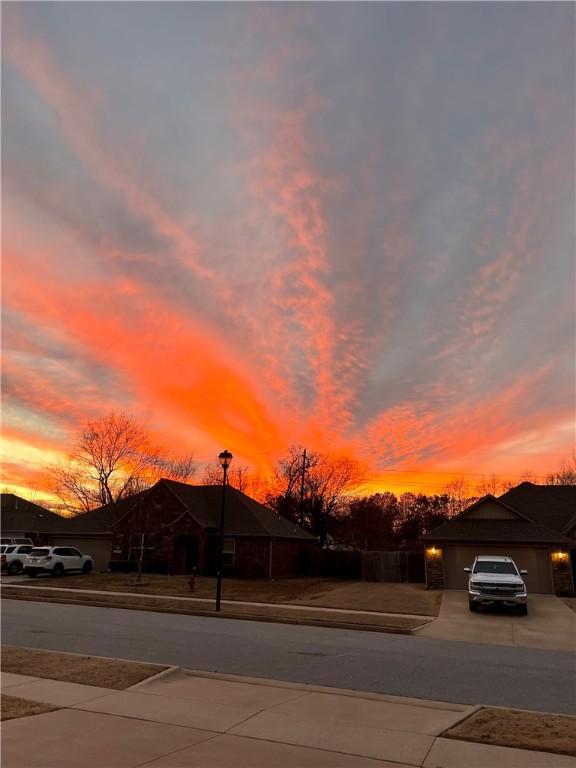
(58,570)
(87,567)
(473,606)
(14,567)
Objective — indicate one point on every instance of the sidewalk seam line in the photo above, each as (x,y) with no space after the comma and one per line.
(324,749)
(180,749)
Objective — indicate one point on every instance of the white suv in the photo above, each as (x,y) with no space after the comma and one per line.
(56,561)
(12,557)
(496,579)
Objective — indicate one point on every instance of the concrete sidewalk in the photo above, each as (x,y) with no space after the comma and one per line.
(182,719)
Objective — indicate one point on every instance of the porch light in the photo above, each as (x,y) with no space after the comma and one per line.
(433,552)
(560,556)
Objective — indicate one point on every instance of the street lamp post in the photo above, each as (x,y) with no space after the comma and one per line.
(224,458)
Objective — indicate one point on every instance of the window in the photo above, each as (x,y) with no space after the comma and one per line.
(61,551)
(228,552)
(139,543)
(9,550)
(495,566)
(40,552)
(23,550)
(74,552)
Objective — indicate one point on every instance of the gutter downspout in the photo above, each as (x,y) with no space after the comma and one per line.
(270,559)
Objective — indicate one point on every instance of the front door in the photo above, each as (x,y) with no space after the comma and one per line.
(185,557)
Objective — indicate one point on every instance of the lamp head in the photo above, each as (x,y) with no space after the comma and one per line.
(225,458)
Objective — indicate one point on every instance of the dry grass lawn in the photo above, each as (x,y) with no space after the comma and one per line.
(522,730)
(325,593)
(69,668)
(13,707)
(265,611)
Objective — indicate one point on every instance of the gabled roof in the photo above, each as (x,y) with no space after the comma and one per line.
(18,514)
(103,518)
(543,514)
(244,516)
(471,530)
(494,500)
(551,505)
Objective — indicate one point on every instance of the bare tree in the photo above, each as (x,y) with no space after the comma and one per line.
(565,475)
(492,484)
(310,489)
(111,459)
(458,495)
(238,477)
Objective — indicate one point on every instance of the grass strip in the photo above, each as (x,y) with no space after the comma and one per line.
(518,729)
(13,707)
(72,668)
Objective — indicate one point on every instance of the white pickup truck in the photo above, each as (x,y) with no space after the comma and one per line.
(495,579)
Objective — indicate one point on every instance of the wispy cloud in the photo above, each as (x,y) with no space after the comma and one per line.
(259,225)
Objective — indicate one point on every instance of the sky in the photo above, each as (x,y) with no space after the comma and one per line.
(348,226)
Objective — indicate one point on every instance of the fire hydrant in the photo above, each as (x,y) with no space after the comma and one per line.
(192,581)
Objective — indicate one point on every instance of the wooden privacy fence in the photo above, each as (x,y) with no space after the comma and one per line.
(395,566)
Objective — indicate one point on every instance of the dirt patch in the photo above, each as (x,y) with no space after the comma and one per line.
(13,707)
(296,615)
(522,730)
(324,593)
(69,668)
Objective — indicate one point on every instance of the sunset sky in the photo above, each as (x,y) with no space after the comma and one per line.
(347,226)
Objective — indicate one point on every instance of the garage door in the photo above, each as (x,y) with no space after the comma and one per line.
(100,549)
(535,560)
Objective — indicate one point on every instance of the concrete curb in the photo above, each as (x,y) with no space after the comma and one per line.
(466,709)
(329,624)
(162,667)
(169,672)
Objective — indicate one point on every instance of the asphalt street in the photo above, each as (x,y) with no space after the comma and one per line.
(420,667)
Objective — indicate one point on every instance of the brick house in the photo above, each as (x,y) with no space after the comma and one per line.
(178,525)
(533,524)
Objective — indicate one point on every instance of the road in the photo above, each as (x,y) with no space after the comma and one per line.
(364,661)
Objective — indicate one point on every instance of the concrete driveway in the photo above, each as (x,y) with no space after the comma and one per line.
(550,623)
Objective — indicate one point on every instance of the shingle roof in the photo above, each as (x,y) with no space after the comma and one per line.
(19,514)
(102,518)
(495,530)
(244,516)
(551,505)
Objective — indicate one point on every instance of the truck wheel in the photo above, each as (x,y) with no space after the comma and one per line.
(473,606)
(14,567)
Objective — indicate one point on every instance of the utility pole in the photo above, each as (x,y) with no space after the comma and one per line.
(301,506)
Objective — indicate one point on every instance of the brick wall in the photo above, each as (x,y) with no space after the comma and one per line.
(160,517)
(289,557)
(434,570)
(251,557)
(562,575)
